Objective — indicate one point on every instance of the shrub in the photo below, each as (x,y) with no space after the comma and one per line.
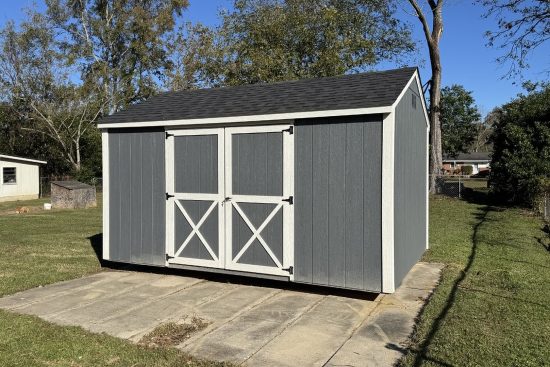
(521,140)
(467,170)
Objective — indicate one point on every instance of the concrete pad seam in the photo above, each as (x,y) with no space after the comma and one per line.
(291,322)
(146,303)
(420,289)
(166,319)
(258,303)
(112,295)
(49,296)
(355,329)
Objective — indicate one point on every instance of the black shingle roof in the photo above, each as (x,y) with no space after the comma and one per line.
(363,90)
(474,156)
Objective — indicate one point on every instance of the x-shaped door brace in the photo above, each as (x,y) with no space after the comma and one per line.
(195,229)
(256,233)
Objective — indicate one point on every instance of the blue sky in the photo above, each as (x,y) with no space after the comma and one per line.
(465,58)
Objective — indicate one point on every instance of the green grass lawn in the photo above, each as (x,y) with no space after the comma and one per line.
(491,308)
(44,247)
(493,304)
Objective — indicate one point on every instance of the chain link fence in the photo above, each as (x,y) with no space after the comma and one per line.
(459,185)
(542,205)
(45,184)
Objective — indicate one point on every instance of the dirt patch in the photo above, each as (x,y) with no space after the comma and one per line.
(173,333)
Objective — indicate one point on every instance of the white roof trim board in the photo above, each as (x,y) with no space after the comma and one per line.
(255,118)
(14,158)
(386,104)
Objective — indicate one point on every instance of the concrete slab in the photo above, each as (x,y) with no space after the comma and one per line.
(253,325)
(382,338)
(320,332)
(22,299)
(243,336)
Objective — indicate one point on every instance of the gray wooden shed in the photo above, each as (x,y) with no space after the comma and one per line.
(319,181)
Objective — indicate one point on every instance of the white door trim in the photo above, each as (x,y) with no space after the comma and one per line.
(288,222)
(173,203)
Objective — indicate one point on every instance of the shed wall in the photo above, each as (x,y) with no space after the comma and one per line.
(338,201)
(137,213)
(410,183)
(27,185)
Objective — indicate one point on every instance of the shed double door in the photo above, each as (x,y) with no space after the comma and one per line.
(229,198)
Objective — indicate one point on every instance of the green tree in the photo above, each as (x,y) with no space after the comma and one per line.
(275,40)
(459,119)
(44,103)
(62,69)
(522,26)
(521,147)
(121,47)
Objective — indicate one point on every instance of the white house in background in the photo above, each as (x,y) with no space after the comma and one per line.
(480,161)
(19,178)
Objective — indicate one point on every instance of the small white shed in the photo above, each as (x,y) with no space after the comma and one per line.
(20,178)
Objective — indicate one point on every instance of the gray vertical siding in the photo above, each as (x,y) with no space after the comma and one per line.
(410,183)
(257,164)
(338,202)
(257,161)
(137,196)
(196,164)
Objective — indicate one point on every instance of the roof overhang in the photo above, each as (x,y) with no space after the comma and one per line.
(468,160)
(21,159)
(251,118)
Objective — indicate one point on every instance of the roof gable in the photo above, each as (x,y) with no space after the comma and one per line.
(355,91)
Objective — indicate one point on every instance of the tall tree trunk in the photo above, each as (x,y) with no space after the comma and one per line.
(433,37)
(436,154)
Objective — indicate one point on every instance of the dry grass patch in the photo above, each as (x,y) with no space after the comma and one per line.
(173,333)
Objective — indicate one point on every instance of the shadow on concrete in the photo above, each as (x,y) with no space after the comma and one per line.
(96,241)
(421,353)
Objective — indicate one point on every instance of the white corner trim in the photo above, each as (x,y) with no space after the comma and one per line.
(388,152)
(251,119)
(428,188)
(105,183)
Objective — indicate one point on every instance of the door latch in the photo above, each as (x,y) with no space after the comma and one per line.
(290,200)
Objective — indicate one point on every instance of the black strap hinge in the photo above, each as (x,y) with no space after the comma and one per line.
(290,200)
(290,269)
(168,196)
(168,257)
(167,135)
(290,130)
